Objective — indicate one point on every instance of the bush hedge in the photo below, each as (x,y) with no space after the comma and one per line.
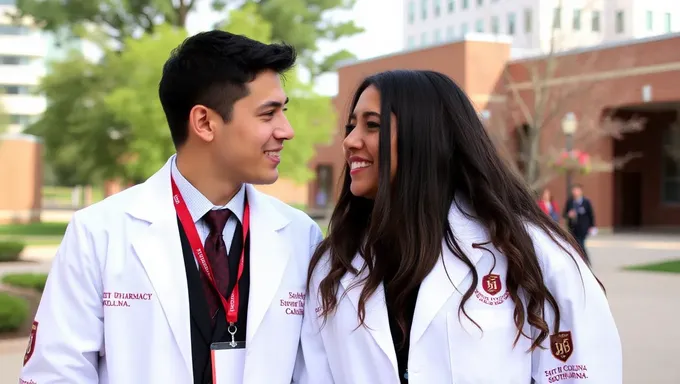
(10,250)
(26,280)
(13,312)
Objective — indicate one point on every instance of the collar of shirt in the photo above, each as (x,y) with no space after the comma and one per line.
(198,204)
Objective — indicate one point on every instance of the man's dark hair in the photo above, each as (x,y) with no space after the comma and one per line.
(213,69)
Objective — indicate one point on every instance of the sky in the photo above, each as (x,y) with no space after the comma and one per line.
(381,19)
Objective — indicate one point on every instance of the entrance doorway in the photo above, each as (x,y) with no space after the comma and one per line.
(630,209)
(324,185)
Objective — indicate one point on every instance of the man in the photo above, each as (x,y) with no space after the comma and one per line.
(173,280)
(580,217)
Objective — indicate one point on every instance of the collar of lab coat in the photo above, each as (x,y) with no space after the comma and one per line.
(442,282)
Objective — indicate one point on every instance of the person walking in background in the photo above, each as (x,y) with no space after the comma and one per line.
(548,205)
(578,211)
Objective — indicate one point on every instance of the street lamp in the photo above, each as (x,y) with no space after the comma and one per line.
(569,127)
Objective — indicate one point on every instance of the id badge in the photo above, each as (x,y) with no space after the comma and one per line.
(228,362)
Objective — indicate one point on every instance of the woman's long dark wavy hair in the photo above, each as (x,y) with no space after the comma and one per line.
(444,152)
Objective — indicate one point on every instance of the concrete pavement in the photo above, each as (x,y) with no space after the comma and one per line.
(645,305)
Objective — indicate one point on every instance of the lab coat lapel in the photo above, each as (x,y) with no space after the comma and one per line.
(159,249)
(449,272)
(376,318)
(269,254)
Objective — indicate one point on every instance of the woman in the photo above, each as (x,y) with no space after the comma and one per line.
(548,206)
(439,267)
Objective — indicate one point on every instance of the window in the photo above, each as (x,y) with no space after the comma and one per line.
(437,36)
(595,22)
(20,119)
(671,167)
(16,89)
(619,27)
(650,20)
(480,3)
(511,23)
(494,25)
(576,23)
(423,9)
(557,18)
(464,29)
(479,26)
(423,39)
(452,6)
(437,8)
(324,185)
(14,30)
(450,33)
(411,42)
(466,4)
(667,21)
(527,20)
(411,12)
(14,60)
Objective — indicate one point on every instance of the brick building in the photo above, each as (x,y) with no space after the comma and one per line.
(634,78)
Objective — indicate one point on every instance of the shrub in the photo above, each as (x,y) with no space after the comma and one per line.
(10,250)
(26,280)
(13,312)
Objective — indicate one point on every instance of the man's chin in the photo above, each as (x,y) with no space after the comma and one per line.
(266,179)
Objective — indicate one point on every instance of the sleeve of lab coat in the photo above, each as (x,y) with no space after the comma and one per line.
(68,326)
(587,347)
(312,364)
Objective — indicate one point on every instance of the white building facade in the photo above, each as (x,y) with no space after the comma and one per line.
(22,52)
(538,25)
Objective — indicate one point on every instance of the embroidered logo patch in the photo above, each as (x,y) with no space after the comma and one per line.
(561,346)
(492,285)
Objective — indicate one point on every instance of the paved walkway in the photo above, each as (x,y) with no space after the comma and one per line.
(645,305)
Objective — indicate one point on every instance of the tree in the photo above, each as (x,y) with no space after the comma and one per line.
(82,138)
(540,100)
(303,24)
(119,20)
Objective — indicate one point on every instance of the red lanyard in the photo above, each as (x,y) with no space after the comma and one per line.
(187,221)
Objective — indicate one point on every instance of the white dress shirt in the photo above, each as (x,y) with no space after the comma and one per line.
(199,205)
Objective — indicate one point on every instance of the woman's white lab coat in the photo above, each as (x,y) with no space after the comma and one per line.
(446,347)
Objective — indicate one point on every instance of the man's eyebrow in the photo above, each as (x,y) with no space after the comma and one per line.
(272,103)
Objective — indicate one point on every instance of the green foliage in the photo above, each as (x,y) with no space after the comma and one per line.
(134,100)
(303,24)
(10,250)
(118,20)
(13,312)
(34,229)
(82,137)
(35,281)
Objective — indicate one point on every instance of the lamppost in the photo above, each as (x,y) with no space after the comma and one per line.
(569,127)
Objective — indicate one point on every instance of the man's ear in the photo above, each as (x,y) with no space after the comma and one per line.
(201,123)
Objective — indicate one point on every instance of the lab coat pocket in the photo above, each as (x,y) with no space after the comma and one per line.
(485,355)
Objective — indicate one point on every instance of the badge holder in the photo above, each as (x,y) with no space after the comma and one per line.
(228,359)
